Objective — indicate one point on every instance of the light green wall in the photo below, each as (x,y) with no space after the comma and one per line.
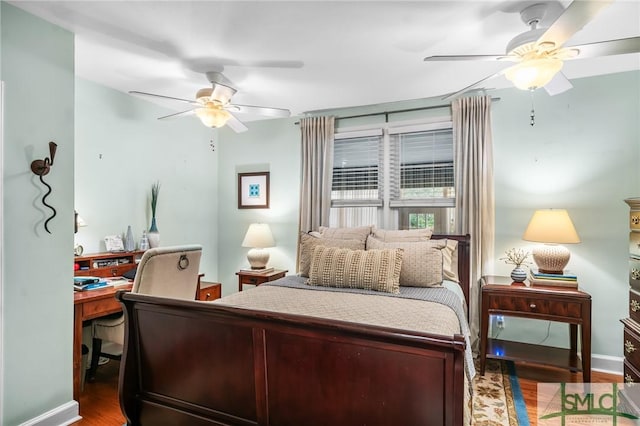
(121,149)
(37,316)
(268,145)
(582,155)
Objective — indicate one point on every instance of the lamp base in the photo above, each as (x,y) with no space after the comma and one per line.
(551,258)
(258,258)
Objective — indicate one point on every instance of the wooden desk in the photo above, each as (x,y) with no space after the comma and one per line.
(561,304)
(88,305)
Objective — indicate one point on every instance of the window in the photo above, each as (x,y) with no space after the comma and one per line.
(395,178)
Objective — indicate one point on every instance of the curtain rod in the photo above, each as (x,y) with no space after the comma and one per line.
(399,111)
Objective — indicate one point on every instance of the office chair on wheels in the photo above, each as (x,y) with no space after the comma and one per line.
(165,271)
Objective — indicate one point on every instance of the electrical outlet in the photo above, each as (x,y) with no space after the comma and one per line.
(500,321)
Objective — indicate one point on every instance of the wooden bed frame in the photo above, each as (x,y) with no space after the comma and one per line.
(198,363)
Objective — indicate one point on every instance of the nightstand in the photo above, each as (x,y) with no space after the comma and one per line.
(257,278)
(502,297)
(208,291)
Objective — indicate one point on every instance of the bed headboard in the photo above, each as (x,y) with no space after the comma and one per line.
(464,259)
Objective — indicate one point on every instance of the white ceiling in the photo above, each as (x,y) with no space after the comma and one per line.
(310,55)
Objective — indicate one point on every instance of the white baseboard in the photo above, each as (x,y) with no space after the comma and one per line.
(62,415)
(607,364)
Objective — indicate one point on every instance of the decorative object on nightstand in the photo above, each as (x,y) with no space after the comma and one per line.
(551,227)
(78,223)
(258,237)
(153,236)
(517,258)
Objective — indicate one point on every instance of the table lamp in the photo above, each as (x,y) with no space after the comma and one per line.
(551,227)
(258,237)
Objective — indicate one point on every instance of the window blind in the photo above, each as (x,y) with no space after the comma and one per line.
(357,172)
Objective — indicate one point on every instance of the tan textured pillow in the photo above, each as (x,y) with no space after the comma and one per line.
(422,263)
(359,233)
(402,235)
(377,270)
(309,242)
(450,257)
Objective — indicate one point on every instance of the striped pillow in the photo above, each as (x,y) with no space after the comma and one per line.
(377,270)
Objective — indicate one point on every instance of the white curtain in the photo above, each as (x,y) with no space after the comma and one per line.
(475,204)
(317,169)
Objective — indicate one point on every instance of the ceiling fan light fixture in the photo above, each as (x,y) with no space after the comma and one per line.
(533,73)
(213,117)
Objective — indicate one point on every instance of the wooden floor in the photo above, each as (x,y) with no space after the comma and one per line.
(99,404)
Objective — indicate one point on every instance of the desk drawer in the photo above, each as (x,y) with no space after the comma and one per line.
(634,306)
(100,307)
(534,305)
(631,375)
(634,274)
(634,244)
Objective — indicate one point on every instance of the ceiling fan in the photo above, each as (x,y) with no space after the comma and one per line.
(540,53)
(212,105)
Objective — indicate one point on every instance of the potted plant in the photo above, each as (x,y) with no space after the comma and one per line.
(517,257)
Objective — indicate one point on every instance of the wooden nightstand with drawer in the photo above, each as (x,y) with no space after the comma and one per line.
(502,297)
(208,291)
(257,278)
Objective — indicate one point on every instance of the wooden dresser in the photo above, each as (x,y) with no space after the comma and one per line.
(632,323)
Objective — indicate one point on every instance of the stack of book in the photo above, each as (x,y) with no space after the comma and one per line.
(565,279)
(89,283)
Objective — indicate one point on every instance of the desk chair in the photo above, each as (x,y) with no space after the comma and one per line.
(164,271)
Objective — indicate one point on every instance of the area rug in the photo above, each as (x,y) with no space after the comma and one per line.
(497,398)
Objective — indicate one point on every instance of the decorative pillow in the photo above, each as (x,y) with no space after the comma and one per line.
(377,270)
(422,263)
(402,235)
(450,257)
(359,233)
(309,242)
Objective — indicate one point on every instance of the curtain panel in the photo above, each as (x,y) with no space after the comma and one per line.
(475,204)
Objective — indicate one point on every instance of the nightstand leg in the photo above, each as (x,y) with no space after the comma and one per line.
(484,333)
(585,342)
(573,339)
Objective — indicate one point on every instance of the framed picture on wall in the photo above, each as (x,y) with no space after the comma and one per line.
(253,190)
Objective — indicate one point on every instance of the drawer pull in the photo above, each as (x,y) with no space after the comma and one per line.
(532,305)
(628,346)
(635,274)
(628,378)
(635,220)
(635,305)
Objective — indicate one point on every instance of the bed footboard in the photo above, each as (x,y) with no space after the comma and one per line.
(197,363)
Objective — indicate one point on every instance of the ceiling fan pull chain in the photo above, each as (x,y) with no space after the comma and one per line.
(533,112)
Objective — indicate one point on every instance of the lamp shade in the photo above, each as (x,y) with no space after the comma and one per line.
(258,236)
(533,73)
(551,226)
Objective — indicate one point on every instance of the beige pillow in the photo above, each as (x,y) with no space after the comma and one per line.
(450,257)
(402,235)
(359,233)
(422,263)
(377,270)
(309,242)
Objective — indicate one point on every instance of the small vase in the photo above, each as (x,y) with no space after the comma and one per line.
(153,235)
(518,274)
(129,244)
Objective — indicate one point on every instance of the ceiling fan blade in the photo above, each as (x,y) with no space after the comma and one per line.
(189,101)
(464,58)
(266,111)
(576,15)
(179,114)
(236,125)
(609,47)
(474,85)
(558,84)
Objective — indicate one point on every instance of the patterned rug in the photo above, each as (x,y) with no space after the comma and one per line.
(497,399)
